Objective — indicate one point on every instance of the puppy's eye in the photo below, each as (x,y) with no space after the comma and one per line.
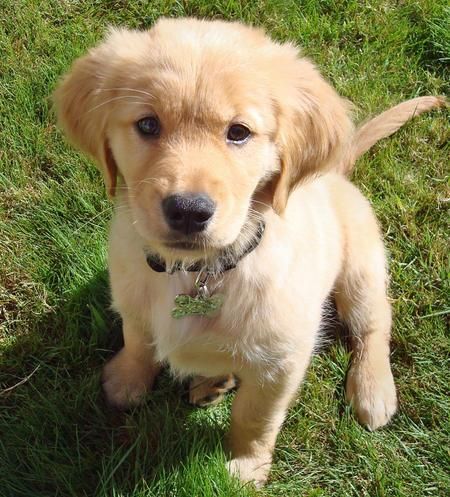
(238,133)
(149,126)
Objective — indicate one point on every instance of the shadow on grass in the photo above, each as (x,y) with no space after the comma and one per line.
(59,437)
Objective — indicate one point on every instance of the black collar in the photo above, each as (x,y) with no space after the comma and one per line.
(225,262)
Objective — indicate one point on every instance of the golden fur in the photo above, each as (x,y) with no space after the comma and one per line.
(321,235)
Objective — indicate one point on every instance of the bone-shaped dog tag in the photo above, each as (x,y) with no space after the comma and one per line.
(185,305)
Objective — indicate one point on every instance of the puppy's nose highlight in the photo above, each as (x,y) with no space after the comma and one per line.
(188,212)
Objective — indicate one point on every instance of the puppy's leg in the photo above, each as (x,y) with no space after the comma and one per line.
(257,414)
(129,375)
(362,303)
(209,391)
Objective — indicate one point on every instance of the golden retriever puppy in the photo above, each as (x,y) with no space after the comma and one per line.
(224,152)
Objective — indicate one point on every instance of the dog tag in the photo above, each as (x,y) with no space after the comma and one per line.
(185,305)
(203,304)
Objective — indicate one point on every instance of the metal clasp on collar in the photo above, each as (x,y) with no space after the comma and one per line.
(200,284)
(204,303)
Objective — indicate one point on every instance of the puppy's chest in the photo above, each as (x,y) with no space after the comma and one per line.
(193,344)
(179,331)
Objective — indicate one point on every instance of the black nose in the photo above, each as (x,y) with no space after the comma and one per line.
(188,212)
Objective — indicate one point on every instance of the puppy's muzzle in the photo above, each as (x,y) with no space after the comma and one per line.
(188,213)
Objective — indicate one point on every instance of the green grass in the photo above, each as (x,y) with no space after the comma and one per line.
(57,436)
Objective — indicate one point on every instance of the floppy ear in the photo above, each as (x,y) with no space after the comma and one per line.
(80,113)
(314,127)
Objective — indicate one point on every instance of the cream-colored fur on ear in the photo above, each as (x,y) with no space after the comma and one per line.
(314,126)
(76,101)
(82,102)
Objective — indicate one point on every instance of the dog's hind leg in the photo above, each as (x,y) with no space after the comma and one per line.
(363,305)
(210,391)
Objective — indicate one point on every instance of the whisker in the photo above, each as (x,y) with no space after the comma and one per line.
(128,89)
(122,207)
(262,203)
(149,181)
(123,186)
(90,221)
(121,97)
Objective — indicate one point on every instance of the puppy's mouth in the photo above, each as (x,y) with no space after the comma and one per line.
(174,253)
(190,246)
(185,245)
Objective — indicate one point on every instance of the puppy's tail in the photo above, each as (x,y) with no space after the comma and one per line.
(388,122)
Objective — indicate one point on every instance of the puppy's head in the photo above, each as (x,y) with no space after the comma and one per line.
(191,120)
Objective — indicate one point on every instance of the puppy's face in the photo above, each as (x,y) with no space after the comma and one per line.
(193,140)
(196,118)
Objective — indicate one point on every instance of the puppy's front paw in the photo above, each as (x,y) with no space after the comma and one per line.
(126,380)
(372,394)
(251,469)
